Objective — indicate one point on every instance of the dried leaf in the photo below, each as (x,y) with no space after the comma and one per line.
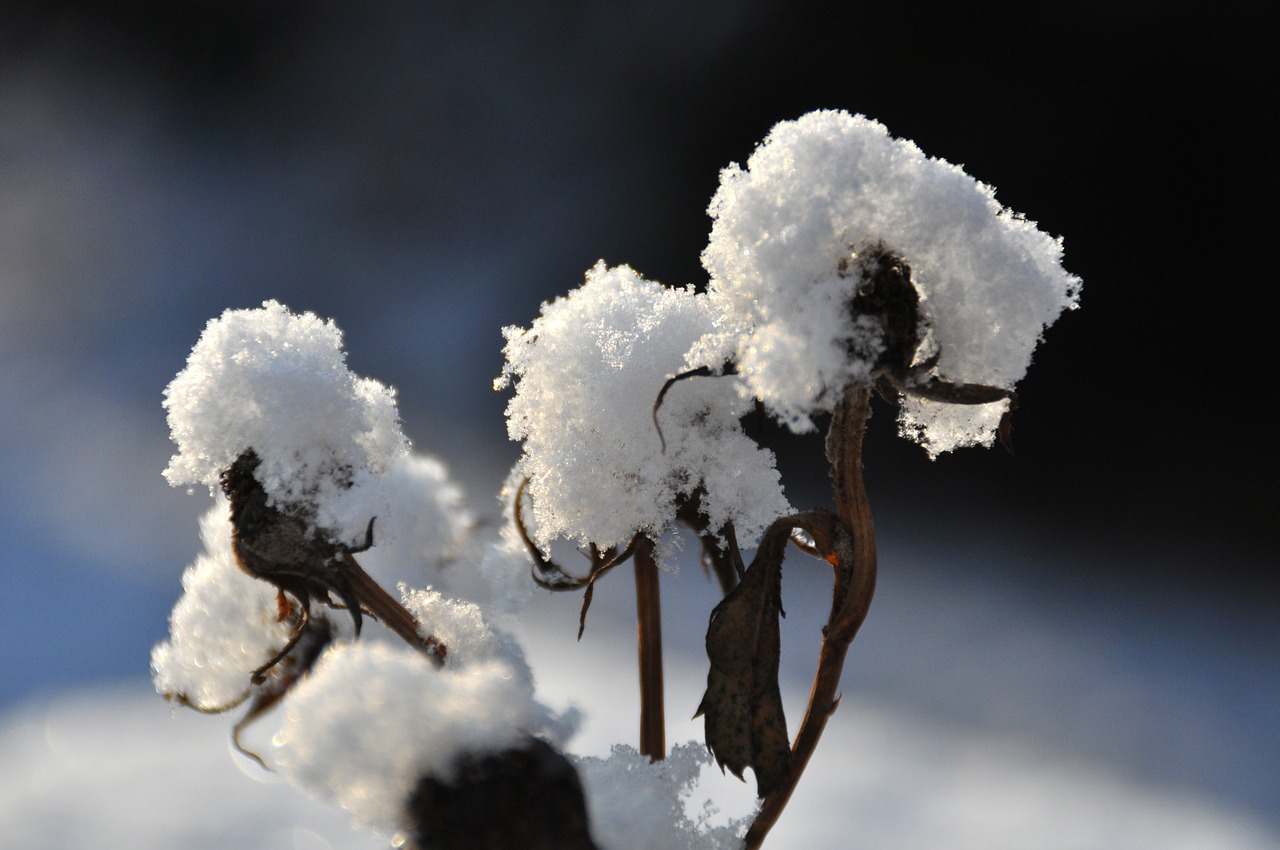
(744,720)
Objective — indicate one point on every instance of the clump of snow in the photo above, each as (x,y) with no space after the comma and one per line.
(822,188)
(634,802)
(277,382)
(371,720)
(941,427)
(587,373)
(421,521)
(225,626)
(461,627)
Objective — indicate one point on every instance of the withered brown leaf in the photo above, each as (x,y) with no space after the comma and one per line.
(744,720)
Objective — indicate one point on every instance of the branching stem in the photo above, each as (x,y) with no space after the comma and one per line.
(853,555)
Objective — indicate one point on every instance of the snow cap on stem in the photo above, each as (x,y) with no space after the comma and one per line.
(587,374)
(824,189)
(277,382)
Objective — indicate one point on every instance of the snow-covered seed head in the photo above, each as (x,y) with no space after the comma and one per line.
(531,790)
(371,720)
(883,300)
(988,281)
(586,375)
(277,382)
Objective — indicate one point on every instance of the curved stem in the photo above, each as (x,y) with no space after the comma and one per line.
(854,558)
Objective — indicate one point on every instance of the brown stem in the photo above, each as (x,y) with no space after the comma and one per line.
(724,561)
(854,559)
(601,563)
(388,609)
(649,617)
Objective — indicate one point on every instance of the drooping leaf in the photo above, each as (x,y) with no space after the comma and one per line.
(744,720)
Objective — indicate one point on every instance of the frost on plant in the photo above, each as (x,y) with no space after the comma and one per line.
(461,624)
(329,442)
(267,411)
(586,374)
(422,521)
(824,191)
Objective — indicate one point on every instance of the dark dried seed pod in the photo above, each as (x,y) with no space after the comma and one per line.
(529,798)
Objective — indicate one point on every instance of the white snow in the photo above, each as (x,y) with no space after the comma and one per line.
(371,720)
(224,626)
(461,627)
(421,522)
(587,373)
(827,186)
(115,767)
(505,564)
(277,382)
(634,802)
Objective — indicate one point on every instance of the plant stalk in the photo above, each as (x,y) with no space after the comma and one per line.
(855,580)
(649,627)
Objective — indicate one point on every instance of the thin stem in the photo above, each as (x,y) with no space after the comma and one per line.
(724,561)
(728,368)
(854,559)
(649,619)
(601,563)
(388,609)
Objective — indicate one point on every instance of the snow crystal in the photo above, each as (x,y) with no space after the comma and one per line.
(831,184)
(634,802)
(371,720)
(225,626)
(277,382)
(587,373)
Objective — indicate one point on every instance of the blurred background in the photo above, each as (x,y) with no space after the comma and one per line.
(426,173)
